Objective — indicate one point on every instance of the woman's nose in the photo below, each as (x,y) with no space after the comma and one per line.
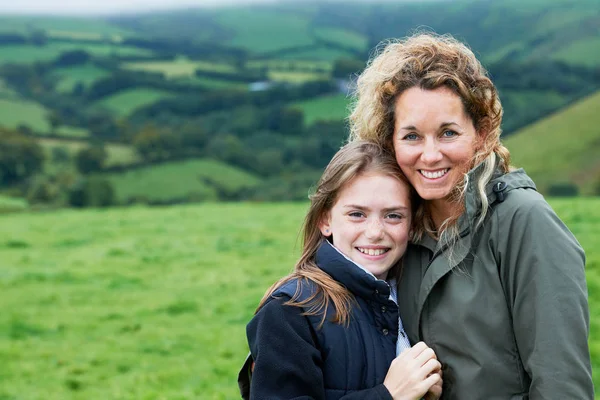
(431,152)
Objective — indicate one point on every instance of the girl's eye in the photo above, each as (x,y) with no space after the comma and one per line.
(411,136)
(449,133)
(395,216)
(355,214)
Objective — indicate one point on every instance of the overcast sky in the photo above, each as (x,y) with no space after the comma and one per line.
(104,6)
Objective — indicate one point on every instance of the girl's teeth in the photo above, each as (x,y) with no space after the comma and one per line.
(433,175)
(372,252)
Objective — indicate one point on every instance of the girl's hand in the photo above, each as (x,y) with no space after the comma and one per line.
(413,373)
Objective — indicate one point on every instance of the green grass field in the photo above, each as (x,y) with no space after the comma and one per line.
(15,112)
(572,138)
(84,74)
(181,67)
(30,53)
(151,303)
(344,37)
(265,30)
(125,102)
(178,180)
(326,108)
(118,154)
(80,25)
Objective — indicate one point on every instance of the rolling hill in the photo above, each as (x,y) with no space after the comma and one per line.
(563,147)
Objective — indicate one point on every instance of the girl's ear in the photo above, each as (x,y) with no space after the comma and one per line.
(325,226)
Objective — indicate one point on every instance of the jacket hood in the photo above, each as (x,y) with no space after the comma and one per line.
(496,189)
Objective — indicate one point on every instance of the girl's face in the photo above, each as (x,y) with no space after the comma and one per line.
(434,141)
(370,221)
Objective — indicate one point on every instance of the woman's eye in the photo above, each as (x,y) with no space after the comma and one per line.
(411,136)
(449,133)
(355,214)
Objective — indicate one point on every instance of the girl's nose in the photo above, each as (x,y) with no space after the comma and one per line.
(374,229)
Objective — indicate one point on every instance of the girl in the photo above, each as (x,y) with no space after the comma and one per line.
(495,282)
(331,330)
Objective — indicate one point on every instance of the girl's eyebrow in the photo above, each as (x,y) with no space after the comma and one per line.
(387,209)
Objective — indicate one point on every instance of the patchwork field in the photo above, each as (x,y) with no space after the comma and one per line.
(151,303)
(29,53)
(87,74)
(15,112)
(118,154)
(125,102)
(179,67)
(326,108)
(184,180)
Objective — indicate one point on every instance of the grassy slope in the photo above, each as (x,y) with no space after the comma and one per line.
(143,303)
(118,154)
(69,77)
(563,147)
(126,101)
(178,68)
(326,108)
(27,24)
(31,53)
(265,30)
(178,180)
(15,112)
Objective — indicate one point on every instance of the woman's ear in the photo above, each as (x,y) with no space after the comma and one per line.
(325,226)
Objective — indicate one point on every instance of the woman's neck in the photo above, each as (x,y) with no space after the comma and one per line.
(442,210)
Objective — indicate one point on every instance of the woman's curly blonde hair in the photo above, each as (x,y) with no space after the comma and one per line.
(430,61)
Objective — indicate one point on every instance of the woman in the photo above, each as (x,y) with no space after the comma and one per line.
(494,282)
(330,329)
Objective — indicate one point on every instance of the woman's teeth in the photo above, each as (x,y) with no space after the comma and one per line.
(434,174)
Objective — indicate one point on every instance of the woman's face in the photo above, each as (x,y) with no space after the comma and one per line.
(434,140)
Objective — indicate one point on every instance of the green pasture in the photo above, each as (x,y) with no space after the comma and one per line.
(79,25)
(179,180)
(317,53)
(343,37)
(117,154)
(212,83)
(12,204)
(15,112)
(580,52)
(296,76)
(31,53)
(125,102)
(325,108)
(263,31)
(69,77)
(561,148)
(291,65)
(151,303)
(181,67)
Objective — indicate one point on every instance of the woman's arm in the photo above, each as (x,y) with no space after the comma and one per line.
(543,269)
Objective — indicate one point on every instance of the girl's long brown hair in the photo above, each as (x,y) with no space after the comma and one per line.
(352,160)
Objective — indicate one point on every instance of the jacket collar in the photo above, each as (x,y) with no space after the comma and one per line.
(353,277)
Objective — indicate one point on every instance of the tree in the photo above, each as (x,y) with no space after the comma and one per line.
(153,144)
(343,68)
(91,159)
(92,192)
(20,157)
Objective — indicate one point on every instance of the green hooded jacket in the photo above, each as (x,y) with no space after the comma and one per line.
(505,308)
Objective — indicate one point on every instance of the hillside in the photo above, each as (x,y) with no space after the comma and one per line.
(261,89)
(563,147)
